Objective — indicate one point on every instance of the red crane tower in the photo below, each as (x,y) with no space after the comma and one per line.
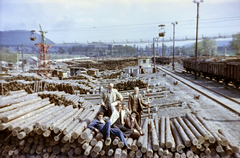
(44,64)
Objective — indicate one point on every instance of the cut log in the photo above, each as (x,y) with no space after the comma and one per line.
(200,138)
(145,128)
(85,133)
(120,144)
(160,151)
(134,146)
(162,132)
(189,154)
(138,153)
(98,147)
(155,141)
(88,150)
(210,130)
(177,138)
(231,142)
(118,153)
(189,133)
(132,154)
(129,142)
(115,141)
(198,126)
(85,146)
(182,133)
(149,148)
(124,154)
(169,137)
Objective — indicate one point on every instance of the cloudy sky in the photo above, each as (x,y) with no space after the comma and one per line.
(119,20)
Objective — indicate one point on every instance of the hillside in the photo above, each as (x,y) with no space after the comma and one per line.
(18,37)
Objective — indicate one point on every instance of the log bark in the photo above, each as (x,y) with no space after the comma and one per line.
(98,147)
(118,152)
(149,148)
(145,130)
(129,142)
(231,142)
(134,146)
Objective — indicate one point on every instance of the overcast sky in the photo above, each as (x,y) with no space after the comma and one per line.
(118,20)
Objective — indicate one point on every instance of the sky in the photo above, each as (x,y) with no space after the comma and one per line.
(85,21)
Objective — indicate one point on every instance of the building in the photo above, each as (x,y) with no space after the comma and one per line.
(31,61)
(144,61)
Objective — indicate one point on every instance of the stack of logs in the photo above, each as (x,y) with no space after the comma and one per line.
(111,75)
(25,76)
(81,77)
(5,87)
(35,128)
(130,84)
(31,126)
(61,98)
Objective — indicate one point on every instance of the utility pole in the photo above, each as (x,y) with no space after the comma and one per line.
(196,49)
(162,46)
(22,57)
(154,69)
(173,23)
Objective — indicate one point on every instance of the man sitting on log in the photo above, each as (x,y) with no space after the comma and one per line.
(99,125)
(117,119)
(125,112)
(131,123)
(108,97)
(135,103)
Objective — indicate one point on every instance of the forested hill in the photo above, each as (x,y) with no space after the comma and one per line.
(18,37)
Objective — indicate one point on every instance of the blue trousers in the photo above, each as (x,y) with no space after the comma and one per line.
(106,130)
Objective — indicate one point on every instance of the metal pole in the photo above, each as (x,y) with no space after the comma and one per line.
(173,43)
(154,56)
(196,68)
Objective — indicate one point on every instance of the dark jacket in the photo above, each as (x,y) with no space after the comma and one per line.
(132,124)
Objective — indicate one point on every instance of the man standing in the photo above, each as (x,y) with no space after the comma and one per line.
(135,104)
(99,125)
(117,119)
(109,96)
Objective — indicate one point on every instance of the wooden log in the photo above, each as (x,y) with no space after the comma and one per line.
(231,142)
(115,141)
(149,148)
(189,133)
(14,96)
(138,153)
(156,122)
(155,141)
(155,155)
(94,142)
(182,133)
(85,133)
(189,154)
(141,138)
(85,146)
(110,152)
(132,154)
(224,141)
(99,136)
(102,152)
(88,150)
(200,138)
(129,142)
(134,146)
(25,110)
(197,125)
(83,125)
(56,149)
(160,151)
(183,155)
(177,138)
(162,133)
(93,154)
(98,147)
(124,154)
(210,130)
(169,137)
(118,153)
(207,151)
(120,144)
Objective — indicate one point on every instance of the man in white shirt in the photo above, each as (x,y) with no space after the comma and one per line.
(108,97)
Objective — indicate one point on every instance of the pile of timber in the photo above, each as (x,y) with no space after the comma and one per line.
(81,77)
(130,84)
(25,76)
(62,98)
(90,84)
(31,126)
(111,75)
(6,87)
(107,64)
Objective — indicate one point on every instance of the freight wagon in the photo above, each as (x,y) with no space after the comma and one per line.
(228,72)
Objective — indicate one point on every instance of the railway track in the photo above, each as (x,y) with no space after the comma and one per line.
(220,98)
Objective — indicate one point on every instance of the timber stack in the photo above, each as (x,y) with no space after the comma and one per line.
(111,75)
(62,98)
(130,84)
(33,127)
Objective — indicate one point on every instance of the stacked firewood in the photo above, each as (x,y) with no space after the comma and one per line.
(130,84)
(111,75)
(62,98)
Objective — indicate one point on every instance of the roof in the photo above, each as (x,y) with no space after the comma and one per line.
(33,58)
(144,57)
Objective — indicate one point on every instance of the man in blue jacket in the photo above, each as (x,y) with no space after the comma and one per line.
(99,125)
